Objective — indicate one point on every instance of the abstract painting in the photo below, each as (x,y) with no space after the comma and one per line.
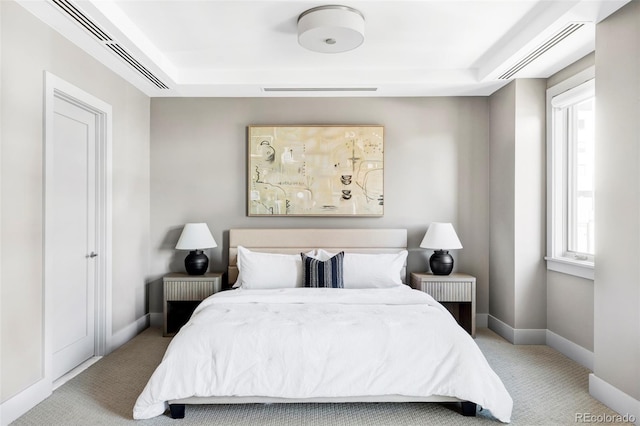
(315,171)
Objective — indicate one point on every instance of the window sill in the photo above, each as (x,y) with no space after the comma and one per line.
(578,268)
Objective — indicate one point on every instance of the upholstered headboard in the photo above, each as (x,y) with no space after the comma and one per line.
(293,241)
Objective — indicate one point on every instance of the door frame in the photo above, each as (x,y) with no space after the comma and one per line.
(55,87)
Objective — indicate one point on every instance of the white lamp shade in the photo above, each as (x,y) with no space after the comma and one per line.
(196,236)
(441,236)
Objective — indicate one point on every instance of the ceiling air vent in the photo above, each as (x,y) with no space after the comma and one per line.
(555,39)
(320,89)
(118,50)
(103,37)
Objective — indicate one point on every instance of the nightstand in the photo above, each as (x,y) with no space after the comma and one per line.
(182,293)
(456,292)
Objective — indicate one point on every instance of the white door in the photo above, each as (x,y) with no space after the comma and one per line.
(73,235)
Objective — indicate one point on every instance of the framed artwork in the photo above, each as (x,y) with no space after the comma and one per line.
(315,171)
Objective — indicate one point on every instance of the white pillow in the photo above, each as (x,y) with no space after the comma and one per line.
(258,270)
(379,270)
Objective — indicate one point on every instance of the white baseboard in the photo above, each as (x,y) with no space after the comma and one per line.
(129,332)
(569,349)
(500,328)
(24,401)
(73,373)
(517,336)
(566,347)
(624,404)
(531,336)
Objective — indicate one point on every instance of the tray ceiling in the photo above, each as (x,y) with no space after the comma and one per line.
(250,48)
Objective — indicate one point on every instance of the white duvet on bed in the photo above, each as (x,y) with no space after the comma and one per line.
(322,342)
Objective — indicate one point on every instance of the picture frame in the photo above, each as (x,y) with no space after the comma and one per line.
(315,170)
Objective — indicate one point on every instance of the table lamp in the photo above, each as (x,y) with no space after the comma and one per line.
(196,237)
(441,237)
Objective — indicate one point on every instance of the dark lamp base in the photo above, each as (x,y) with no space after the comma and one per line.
(196,263)
(441,262)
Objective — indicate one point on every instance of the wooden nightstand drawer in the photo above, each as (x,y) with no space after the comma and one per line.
(446,291)
(190,290)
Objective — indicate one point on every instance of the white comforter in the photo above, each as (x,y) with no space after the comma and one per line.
(319,342)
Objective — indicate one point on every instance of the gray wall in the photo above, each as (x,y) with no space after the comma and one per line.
(570,308)
(502,204)
(436,156)
(617,271)
(28,49)
(530,205)
(517,206)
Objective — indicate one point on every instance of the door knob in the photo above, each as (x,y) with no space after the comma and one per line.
(93,254)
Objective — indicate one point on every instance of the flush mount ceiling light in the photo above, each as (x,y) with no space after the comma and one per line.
(331,29)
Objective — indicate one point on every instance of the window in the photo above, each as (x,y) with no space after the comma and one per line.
(571,113)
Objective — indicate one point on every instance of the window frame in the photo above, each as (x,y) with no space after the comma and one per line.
(558,259)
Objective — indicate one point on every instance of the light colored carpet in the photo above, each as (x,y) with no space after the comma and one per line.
(547,389)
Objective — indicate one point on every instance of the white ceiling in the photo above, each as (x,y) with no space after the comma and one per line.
(411,48)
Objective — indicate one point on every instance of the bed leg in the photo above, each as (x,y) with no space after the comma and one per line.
(468,409)
(177,411)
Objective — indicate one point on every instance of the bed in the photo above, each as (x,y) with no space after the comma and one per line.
(357,333)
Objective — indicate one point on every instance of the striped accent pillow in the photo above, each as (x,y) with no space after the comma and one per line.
(318,273)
